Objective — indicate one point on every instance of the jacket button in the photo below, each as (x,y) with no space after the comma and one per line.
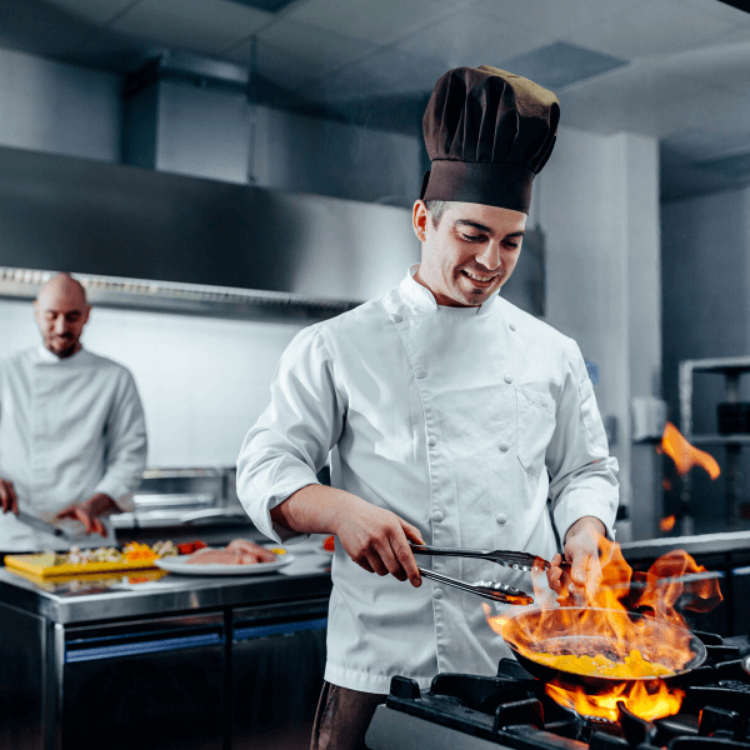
(438,516)
(512,326)
(432,440)
(501,518)
(396,318)
(420,374)
(508,379)
(504,447)
(437,593)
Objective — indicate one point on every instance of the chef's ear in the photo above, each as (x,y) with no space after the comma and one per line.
(420,219)
(86,313)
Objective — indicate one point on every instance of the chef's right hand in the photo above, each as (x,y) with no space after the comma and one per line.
(378,540)
(8,496)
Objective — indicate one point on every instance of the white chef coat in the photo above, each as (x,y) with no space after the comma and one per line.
(69,428)
(451,418)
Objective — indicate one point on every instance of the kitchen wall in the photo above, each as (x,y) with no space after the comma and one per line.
(203,381)
(596,201)
(706,259)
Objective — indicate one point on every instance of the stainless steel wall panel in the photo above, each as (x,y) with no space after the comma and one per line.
(60,213)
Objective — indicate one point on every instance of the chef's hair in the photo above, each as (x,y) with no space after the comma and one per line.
(437,209)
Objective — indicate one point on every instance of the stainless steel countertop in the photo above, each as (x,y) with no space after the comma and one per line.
(83,602)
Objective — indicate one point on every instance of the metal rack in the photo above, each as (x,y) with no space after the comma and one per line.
(730,368)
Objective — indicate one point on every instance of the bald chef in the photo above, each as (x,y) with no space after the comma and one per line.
(454,416)
(72,432)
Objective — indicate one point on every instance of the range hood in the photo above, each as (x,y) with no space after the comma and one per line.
(204,246)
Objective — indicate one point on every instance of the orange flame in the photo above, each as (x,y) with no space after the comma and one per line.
(684,455)
(607,624)
(667,524)
(639,700)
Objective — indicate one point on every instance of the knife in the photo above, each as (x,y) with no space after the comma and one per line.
(39,525)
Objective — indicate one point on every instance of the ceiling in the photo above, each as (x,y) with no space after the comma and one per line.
(678,70)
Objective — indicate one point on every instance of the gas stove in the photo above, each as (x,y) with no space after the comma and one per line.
(512,710)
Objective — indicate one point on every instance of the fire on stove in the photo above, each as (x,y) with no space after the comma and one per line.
(625,643)
(514,710)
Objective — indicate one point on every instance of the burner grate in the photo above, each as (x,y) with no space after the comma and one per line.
(512,710)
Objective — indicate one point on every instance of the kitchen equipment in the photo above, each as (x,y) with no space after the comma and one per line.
(47,528)
(507,558)
(498,592)
(733,418)
(577,630)
(512,710)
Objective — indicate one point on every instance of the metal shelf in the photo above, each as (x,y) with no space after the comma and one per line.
(730,368)
(718,439)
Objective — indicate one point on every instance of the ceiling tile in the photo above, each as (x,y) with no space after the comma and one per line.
(98,11)
(378,22)
(560,64)
(319,49)
(725,65)
(714,108)
(658,27)
(470,38)
(551,17)
(631,99)
(208,26)
(699,144)
(387,72)
(721,10)
(279,67)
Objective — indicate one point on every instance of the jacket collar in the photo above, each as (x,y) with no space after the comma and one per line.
(421,299)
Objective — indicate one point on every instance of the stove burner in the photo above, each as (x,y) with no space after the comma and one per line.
(513,710)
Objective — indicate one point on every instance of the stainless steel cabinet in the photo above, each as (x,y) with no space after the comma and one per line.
(278,659)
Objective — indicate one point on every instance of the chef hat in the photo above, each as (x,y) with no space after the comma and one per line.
(488,132)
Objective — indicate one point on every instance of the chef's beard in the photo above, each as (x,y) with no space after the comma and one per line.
(69,346)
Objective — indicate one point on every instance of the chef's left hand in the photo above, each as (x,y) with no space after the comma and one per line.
(90,512)
(577,585)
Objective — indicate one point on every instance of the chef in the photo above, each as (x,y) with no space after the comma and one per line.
(451,416)
(72,431)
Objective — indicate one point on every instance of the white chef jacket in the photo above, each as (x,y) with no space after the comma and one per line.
(69,428)
(452,419)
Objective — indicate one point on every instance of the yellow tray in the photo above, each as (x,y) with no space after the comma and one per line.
(40,567)
(55,583)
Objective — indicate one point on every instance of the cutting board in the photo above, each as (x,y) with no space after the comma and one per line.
(41,566)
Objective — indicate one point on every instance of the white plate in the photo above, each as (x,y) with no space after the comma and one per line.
(177,564)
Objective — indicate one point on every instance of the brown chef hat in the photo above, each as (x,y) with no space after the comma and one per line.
(488,132)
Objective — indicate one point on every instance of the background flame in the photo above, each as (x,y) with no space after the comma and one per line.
(684,455)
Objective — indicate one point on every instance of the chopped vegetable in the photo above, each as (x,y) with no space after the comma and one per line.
(187,548)
(137,552)
(329,543)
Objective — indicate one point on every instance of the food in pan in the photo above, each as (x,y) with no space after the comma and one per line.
(600,666)
(237,552)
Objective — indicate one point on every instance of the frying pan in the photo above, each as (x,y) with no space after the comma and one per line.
(559,637)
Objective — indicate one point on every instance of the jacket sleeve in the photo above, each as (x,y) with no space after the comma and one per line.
(125,444)
(583,474)
(292,438)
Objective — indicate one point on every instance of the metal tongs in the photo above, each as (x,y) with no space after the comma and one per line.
(497,591)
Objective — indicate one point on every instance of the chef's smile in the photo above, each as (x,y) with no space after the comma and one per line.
(469,253)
